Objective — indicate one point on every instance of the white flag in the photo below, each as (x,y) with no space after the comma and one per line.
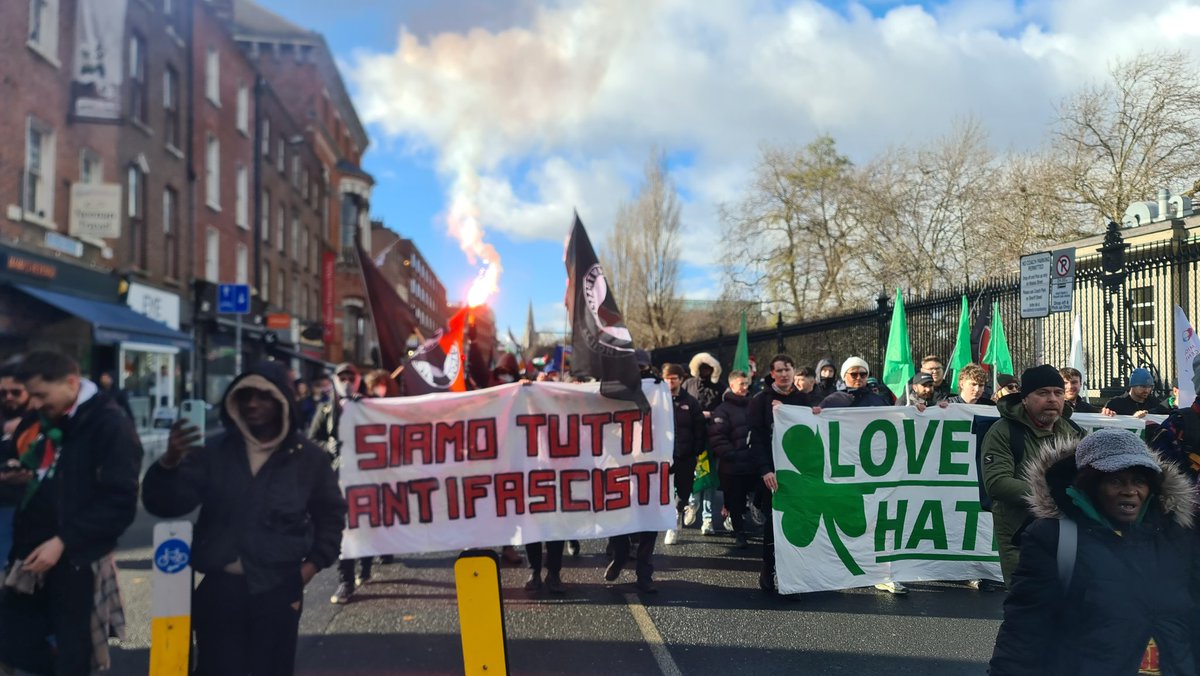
(1076,360)
(1187,349)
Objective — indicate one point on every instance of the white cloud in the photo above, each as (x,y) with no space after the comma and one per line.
(559,111)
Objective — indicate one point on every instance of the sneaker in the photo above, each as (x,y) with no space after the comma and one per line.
(728,524)
(756,515)
(739,541)
(613,571)
(573,547)
(892,588)
(670,537)
(646,586)
(689,515)
(988,586)
(343,593)
(534,583)
(554,584)
(362,578)
(706,528)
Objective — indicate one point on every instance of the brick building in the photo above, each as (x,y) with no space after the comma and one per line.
(93,182)
(415,281)
(299,67)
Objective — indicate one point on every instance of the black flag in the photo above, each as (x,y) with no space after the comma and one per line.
(601,346)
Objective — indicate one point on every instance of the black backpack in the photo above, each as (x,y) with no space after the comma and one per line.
(1016,441)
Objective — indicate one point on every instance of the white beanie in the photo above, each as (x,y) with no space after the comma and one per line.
(851,363)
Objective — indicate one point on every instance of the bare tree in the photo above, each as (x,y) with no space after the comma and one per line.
(1119,142)
(925,210)
(643,254)
(789,241)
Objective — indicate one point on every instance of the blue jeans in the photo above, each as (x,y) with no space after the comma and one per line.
(6,532)
(710,500)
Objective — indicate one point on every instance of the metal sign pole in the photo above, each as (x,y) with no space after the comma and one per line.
(237,357)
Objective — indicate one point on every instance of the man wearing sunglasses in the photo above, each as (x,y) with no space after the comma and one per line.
(854,373)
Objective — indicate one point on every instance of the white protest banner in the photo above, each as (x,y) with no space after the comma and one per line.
(869,495)
(507,465)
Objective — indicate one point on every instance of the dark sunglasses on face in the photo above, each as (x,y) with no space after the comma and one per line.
(856,374)
(12,393)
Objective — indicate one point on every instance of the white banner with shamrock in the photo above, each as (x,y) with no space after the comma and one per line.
(869,495)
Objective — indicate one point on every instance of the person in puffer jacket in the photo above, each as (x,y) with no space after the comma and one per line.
(1125,602)
(729,441)
(706,502)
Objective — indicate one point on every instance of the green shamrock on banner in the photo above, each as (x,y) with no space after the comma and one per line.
(806,500)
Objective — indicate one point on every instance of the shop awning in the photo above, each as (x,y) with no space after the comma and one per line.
(112,324)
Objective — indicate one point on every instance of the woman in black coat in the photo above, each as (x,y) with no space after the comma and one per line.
(1127,592)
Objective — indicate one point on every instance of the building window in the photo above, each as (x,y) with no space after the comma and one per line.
(212,253)
(282,287)
(170,218)
(281,227)
(265,134)
(242,210)
(265,221)
(296,170)
(295,236)
(303,255)
(280,150)
(137,78)
(90,168)
(172,15)
(264,289)
(1141,313)
(171,112)
(304,186)
(212,77)
(243,109)
(243,264)
(136,209)
(43,27)
(39,171)
(212,173)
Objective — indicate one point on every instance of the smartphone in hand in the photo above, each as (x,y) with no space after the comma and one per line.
(194,412)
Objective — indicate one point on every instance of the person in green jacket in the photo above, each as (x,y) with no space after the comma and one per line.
(1040,414)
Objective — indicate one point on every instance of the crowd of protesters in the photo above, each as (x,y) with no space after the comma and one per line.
(69,486)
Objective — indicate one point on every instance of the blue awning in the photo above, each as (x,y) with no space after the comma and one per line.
(111,323)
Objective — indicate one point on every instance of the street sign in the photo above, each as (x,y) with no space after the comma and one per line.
(171,594)
(1035,284)
(233,299)
(1062,280)
(279,320)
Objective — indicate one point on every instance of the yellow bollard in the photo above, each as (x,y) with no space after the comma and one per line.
(481,612)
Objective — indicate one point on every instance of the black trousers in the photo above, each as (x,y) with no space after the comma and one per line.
(346,568)
(768,537)
(61,608)
(738,488)
(244,634)
(554,556)
(618,548)
(684,470)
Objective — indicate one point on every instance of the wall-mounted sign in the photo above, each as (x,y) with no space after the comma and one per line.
(161,306)
(95,210)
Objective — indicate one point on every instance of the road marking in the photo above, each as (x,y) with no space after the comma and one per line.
(658,647)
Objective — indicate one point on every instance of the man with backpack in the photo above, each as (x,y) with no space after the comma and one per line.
(1030,420)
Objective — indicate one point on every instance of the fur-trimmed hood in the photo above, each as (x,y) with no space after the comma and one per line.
(1053,470)
(705,358)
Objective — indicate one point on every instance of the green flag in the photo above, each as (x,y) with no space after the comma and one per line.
(962,348)
(898,364)
(741,355)
(705,478)
(997,353)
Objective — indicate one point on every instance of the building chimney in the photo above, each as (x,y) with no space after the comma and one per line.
(1163,196)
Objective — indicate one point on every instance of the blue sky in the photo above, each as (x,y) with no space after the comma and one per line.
(529,110)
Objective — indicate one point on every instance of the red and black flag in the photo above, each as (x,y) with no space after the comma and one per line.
(437,365)
(394,319)
(981,333)
(602,347)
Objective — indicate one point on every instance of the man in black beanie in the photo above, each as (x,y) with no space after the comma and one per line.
(1030,420)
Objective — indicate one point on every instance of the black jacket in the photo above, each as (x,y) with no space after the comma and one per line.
(858,397)
(762,422)
(95,486)
(690,435)
(822,388)
(729,436)
(1125,588)
(291,512)
(704,391)
(1125,405)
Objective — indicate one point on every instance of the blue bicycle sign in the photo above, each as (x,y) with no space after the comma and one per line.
(172,556)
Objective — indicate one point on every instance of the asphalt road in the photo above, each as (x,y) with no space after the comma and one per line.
(708,618)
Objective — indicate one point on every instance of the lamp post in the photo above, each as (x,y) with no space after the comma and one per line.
(1113,260)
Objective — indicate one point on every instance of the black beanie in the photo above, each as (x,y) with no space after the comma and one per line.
(1038,377)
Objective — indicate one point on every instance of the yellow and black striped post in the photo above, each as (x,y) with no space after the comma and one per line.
(481,613)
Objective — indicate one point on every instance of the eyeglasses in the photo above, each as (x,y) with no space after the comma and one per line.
(346,376)
(12,393)
(856,374)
